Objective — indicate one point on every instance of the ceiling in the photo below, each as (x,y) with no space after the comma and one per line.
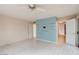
(22,11)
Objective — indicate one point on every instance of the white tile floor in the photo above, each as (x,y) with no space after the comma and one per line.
(30,47)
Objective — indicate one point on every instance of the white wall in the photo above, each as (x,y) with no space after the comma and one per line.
(61,29)
(12,30)
(30,31)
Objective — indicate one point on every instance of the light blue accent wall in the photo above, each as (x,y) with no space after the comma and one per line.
(49,33)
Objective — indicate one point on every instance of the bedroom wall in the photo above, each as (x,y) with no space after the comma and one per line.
(13,30)
(49,32)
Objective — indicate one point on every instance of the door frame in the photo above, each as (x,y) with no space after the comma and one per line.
(58,32)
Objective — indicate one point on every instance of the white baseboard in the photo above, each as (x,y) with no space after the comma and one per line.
(46,41)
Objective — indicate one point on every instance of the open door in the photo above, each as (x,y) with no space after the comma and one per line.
(71,32)
(77,41)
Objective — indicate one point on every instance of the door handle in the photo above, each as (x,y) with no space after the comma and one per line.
(78,32)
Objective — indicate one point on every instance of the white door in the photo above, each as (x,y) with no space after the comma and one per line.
(71,32)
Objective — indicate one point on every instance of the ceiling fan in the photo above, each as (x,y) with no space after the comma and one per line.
(34,7)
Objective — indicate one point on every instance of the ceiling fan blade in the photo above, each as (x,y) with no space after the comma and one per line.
(22,6)
(40,9)
(36,9)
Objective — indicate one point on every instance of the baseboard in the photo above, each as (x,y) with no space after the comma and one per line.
(6,44)
(46,41)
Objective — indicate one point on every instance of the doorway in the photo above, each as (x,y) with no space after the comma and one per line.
(61,32)
(67,32)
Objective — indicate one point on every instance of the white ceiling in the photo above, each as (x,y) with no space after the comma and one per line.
(23,12)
